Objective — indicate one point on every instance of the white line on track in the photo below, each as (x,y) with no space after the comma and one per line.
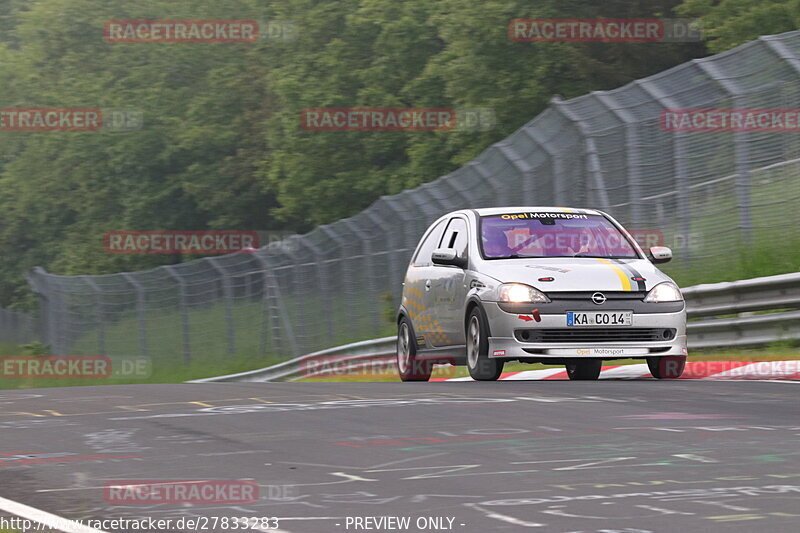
(534,374)
(50,520)
(626,372)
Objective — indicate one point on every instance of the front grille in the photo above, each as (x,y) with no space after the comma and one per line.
(589,335)
(587,295)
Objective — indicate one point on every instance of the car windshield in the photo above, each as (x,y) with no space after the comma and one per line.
(518,235)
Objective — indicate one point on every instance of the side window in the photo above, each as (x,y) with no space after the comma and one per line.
(456,236)
(423,257)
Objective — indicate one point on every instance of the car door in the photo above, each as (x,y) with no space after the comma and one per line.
(448,286)
(417,295)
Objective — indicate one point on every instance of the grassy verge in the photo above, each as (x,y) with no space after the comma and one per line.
(158,371)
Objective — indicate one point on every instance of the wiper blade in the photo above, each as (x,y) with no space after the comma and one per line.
(606,256)
(517,256)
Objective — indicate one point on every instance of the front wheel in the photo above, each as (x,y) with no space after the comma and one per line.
(480,366)
(584,369)
(667,367)
(409,367)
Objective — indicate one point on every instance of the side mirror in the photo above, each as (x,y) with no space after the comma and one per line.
(660,254)
(448,257)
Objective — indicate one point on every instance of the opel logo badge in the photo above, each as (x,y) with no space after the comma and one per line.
(599,298)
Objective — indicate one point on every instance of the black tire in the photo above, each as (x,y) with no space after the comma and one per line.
(584,369)
(480,366)
(667,367)
(408,366)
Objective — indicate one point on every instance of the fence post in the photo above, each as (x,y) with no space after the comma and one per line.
(271,285)
(396,266)
(140,302)
(523,167)
(369,263)
(740,147)
(680,159)
(324,285)
(227,293)
(100,312)
(183,304)
(555,163)
(632,153)
(43,326)
(388,228)
(593,165)
(347,274)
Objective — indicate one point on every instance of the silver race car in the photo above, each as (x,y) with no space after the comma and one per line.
(538,285)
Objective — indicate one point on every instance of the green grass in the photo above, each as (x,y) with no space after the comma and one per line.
(162,371)
(774,246)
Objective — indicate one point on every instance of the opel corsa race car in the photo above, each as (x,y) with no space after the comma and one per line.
(545,285)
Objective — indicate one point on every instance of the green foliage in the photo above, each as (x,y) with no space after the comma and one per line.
(221,146)
(728,23)
(34,348)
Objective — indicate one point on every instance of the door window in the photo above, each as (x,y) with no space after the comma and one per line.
(423,257)
(456,236)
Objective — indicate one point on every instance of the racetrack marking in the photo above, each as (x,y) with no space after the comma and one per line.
(126,485)
(365,468)
(43,517)
(21,413)
(532,374)
(627,372)
(726,506)
(504,518)
(693,457)
(766,371)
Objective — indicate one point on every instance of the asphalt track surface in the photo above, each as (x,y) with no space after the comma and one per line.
(612,456)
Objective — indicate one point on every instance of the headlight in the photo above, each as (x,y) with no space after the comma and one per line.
(664,292)
(519,293)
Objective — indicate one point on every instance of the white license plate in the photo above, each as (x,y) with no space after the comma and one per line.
(599,318)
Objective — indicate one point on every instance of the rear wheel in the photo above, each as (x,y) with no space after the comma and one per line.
(409,367)
(584,369)
(667,367)
(480,366)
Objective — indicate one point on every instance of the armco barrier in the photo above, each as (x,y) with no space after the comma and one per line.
(773,293)
(356,353)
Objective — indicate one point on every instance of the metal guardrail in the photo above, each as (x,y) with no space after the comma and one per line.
(357,353)
(772,293)
(703,302)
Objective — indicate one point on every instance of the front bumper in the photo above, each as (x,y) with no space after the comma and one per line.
(504,345)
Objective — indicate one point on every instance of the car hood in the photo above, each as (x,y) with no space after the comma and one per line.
(576,274)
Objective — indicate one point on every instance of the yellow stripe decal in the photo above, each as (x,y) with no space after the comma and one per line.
(626,282)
